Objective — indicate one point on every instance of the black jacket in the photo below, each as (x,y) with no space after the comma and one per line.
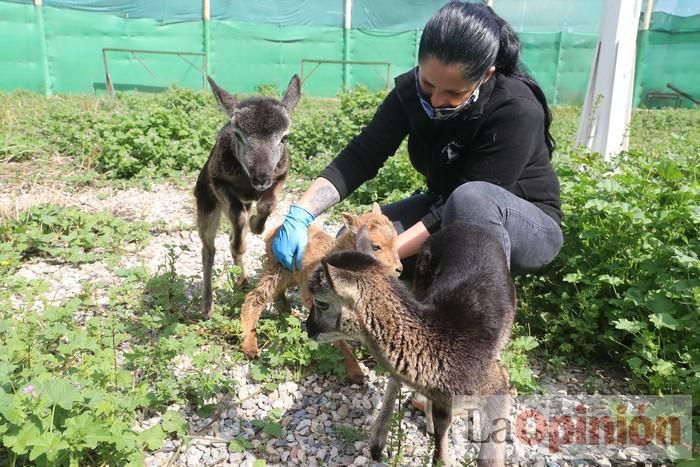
(500,140)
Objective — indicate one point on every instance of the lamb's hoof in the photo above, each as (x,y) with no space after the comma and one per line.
(242,281)
(376,452)
(356,378)
(250,347)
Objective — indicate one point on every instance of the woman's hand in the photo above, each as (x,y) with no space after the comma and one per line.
(291,239)
(410,241)
(290,242)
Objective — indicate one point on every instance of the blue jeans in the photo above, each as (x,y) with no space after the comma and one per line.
(530,238)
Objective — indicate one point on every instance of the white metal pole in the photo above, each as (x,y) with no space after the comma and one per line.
(608,106)
(206,10)
(647,14)
(347,17)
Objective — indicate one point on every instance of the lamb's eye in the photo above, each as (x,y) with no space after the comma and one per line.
(376,247)
(284,139)
(321,306)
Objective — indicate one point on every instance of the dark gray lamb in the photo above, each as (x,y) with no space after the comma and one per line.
(247,166)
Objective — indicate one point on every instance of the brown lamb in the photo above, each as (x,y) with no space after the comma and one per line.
(444,341)
(275,279)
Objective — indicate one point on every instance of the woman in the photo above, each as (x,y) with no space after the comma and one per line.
(478,130)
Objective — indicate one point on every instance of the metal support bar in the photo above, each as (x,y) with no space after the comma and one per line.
(319,62)
(180,54)
(683,93)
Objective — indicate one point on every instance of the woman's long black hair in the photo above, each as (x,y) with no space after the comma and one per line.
(472,35)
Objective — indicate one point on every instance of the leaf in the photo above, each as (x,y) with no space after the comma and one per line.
(9,408)
(239,445)
(664,320)
(627,325)
(273,429)
(663,367)
(153,437)
(258,373)
(573,277)
(6,371)
(206,410)
(21,441)
(60,392)
(660,305)
(173,422)
(670,171)
(525,343)
(612,280)
(259,463)
(85,430)
(49,443)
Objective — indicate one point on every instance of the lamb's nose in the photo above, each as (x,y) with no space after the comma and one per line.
(399,270)
(261,183)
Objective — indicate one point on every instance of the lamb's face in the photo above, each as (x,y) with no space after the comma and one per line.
(257,131)
(382,237)
(258,136)
(335,313)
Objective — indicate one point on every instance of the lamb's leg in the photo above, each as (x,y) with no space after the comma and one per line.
(207,224)
(273,280)
(380,427)
(352,366)
(264,207)
(442,418)
(238,215)
(494,427)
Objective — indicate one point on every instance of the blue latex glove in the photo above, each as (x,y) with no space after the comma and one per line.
(291,239)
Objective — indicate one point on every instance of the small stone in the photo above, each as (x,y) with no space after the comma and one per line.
(603,462)
(194,457)
(303,424)
(620,456)
(361,460)
(342,412)
(270,448)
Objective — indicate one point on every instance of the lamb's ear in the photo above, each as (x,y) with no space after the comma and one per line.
(376,209)
(341,281)
(350,222)
(362,241)
(293,93)
(226,100)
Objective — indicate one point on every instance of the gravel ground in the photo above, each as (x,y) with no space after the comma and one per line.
(325,421)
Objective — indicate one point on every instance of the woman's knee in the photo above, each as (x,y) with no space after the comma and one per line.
(473,202)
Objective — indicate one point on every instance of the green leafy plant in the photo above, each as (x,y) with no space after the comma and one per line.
(65,234)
